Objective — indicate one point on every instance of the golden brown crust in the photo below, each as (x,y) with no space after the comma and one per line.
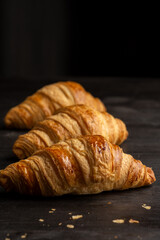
(84,165)
(46,100)
(70,122)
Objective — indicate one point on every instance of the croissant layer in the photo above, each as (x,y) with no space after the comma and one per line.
(84,165)
(70,122)
(46,101)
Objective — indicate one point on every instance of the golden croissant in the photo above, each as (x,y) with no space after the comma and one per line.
(84,165)
(70,122)
(46,101)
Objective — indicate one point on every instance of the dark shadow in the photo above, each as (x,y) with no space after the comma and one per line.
(12,196)
(12,159)
(4,128)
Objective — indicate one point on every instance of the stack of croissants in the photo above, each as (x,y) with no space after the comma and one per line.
(72,146)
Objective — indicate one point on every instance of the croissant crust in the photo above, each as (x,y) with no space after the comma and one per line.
(70,122)
(84,165)
(46,101)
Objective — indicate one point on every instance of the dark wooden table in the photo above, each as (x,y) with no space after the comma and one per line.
(137,102)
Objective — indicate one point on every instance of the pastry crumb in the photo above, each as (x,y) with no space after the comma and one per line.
(146,207)
(53,209)
(70,226)
(77,217)
(133,221)
(109,203)
(41,220)
(60,224)
(24,236)
(118,220)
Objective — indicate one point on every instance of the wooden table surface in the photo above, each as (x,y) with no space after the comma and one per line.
(137,102)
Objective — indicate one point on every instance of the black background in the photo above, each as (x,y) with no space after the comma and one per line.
(79,38)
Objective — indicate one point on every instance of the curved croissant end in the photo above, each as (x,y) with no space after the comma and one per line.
(84,165)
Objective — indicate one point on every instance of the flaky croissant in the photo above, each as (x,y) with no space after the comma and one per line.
(70,122)
(84,165)
(45,101)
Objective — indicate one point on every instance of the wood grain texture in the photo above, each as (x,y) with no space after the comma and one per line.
(137,103)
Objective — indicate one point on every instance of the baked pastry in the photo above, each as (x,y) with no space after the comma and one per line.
(70,122)
(84,165)
(45,101)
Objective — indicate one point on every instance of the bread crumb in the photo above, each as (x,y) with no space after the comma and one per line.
(70,226)
(88,212)
(109,203)
(146,207)
(7,238)
(69,213)
(116,237)
(50,211)
(77,217)
(24,235)
(133,221)
(118,220)
(41,220)
(53,209)
(60,224)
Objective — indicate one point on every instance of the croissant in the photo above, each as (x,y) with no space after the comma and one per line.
(70,122)
(45,101)
(84,165)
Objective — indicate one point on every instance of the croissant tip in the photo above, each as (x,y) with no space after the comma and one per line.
(150,176)
(126,135)
(18,152)
(8,121)
(4,181)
